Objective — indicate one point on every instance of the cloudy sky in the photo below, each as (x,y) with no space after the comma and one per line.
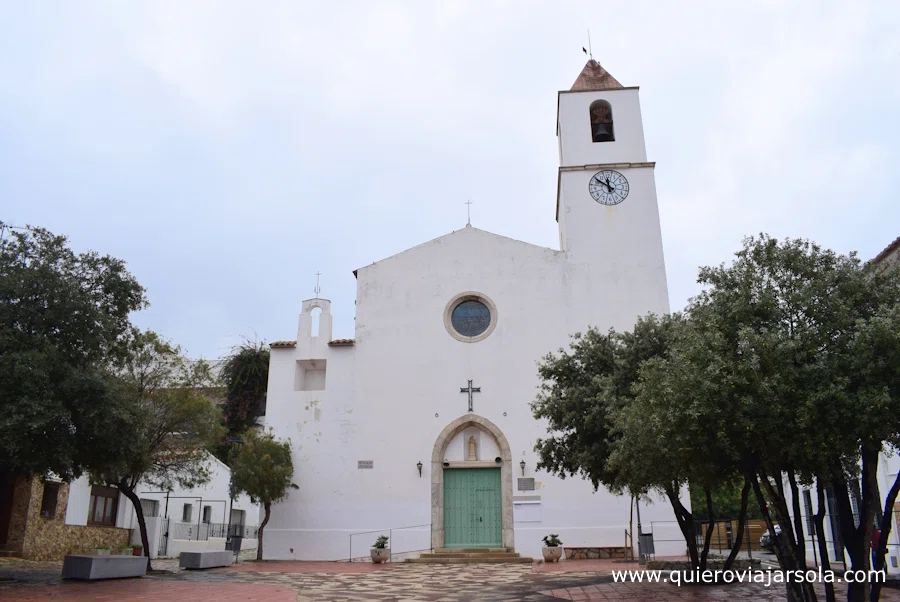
(230,150)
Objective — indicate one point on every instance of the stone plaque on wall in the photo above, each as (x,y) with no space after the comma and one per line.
(526,484)
(360,464)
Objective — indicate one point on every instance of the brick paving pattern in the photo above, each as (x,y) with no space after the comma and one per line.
(346,582)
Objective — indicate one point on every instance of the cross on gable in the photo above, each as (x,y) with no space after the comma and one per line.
(470,390)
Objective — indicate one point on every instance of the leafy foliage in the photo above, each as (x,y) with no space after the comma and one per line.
(726,500)
(581,389)
(160,424)
(245,374)
(63,319)
(552,540)
(263,470)
(381,542)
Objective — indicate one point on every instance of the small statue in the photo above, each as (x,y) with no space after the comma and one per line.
(471,449)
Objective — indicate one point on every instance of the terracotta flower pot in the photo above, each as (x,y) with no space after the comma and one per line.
(136,551)
(379,555)
(552,554)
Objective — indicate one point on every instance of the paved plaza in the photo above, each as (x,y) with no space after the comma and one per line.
(22,581)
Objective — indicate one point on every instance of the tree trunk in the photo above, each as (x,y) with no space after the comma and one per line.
(742,525)
(704,555)
(142,523)
(786,543)
(887,522)
(819,519)
(259,550)
(686,524)
(853,542)
(794,592)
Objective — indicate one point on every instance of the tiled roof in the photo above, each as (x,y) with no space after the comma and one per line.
(283,344)
(342,343)
(595,77)
(887,251)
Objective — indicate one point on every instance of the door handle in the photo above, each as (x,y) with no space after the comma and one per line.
(479,519)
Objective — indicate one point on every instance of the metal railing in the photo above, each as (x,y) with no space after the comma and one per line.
(204,531)
(390,534)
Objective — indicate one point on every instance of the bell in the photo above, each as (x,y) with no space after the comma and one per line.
(602,132)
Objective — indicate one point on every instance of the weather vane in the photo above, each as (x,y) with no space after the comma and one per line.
(588,51)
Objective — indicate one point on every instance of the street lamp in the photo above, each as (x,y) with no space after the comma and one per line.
(522,464)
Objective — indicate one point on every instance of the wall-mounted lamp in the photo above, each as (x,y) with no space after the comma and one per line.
(522,464)
(419,466)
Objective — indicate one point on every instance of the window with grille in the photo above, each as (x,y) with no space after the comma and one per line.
(187,512)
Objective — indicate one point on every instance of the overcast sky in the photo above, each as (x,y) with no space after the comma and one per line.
(230,150)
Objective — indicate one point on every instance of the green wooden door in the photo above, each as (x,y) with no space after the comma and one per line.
(472,514)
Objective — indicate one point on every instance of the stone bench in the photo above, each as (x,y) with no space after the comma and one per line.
(596,552)
(103,567)
(205,560)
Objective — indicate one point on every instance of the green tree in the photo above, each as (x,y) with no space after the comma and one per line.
(245,375)
(876,351)
(63,317)
(585,395)
(160,426)
(263,471)
(774,345)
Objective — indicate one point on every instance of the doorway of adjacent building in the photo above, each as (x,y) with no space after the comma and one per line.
(472,508)
(7,488)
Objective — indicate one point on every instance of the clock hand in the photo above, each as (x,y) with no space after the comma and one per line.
(608,186)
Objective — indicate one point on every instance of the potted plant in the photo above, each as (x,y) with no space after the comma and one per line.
(137,550)
(124,551)
(380,551)
(552,548)
(101,550)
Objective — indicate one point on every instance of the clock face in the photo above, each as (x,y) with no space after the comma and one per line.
(608,187)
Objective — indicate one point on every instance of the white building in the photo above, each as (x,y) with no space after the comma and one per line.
(386,434)
(188,520)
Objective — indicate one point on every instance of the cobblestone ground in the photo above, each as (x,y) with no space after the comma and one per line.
(332,582)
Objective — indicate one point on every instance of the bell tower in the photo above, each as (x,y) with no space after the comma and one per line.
(606,198)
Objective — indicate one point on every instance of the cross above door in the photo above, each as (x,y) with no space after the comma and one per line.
(470,390)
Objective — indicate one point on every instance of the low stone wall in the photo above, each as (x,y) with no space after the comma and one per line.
(598,553)
(52,538)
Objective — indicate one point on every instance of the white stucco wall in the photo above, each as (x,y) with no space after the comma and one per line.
(388,397)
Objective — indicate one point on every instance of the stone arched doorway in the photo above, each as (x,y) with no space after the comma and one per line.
(437,476)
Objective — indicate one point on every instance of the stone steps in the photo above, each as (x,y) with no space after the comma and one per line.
(471,550)
(8,554)
(482,560)
(470,556)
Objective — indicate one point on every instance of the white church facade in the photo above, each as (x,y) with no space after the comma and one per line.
(421,424)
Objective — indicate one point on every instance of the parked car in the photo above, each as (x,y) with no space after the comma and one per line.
(766,542)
